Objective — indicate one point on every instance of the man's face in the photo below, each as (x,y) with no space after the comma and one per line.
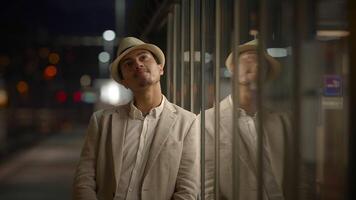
(248,67)
(139,69)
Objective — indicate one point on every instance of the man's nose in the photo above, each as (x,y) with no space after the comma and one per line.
(138,63)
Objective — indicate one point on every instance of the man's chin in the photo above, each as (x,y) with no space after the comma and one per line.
(250,84)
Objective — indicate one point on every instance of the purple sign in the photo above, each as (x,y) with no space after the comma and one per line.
(332,85)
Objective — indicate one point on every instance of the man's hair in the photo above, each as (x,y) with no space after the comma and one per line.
(119,67)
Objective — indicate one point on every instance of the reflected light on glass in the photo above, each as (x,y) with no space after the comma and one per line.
(332,33)
(85,80)
(186,57)
(53,58)
(22,87)
(277,52)
(50,72)
(109,35)
(104,57)
(109,93)
(3,98)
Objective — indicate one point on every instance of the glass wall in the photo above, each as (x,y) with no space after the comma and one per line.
(268,80)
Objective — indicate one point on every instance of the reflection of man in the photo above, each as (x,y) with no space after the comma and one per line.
(274,126)
(147,149)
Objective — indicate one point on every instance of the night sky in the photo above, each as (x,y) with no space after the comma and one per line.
(64,17)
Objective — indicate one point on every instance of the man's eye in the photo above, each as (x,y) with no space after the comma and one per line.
(143,57)
(127,63)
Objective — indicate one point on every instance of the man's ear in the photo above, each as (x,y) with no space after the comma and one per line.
(123,82)
(161,69)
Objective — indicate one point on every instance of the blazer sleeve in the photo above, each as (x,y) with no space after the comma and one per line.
(188,178)
(84,186)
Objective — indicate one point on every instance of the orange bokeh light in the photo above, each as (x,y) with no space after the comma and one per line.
(22,87)
(53,58)
(50,72)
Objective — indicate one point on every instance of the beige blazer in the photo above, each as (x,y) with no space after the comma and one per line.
(173,166)
(275,131)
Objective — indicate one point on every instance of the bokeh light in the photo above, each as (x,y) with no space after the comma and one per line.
(77,96)
(109,35)
(53,58)
(61,96)
(50,72)
(22,87)
(104,57)
(89,97)
(85,80)
(3,98)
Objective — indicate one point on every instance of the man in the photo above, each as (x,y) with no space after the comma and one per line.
(275,126)
(147,149)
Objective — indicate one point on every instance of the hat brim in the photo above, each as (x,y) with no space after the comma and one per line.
(275,66)
(149,47)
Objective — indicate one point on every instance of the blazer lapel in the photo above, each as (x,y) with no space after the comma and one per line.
(165,123)
(118,130)
(246,154)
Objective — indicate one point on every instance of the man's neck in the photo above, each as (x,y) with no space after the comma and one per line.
(147,99)
(247,99)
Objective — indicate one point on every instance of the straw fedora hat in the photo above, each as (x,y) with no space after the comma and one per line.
(128,44)
(274,65)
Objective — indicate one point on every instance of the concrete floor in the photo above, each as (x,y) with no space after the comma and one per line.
(44,171)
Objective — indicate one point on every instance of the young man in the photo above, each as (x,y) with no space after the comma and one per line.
(275,126)
(148,149)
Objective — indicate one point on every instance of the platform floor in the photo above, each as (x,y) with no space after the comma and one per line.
(44,171)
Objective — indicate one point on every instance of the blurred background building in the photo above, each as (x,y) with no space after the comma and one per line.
(54,73)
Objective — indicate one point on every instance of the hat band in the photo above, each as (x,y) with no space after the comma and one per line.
(126,49)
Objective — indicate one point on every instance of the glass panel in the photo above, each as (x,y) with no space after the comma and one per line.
(311,87)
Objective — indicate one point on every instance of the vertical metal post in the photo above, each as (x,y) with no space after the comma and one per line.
(235,97)
(264,19)
(192,53)
(120,9)
(217,96)
(174,54)
(182,47)
(202,84)
(169,56)
(294,161)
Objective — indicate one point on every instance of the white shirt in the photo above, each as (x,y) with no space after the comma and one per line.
(138,138)
(247,127)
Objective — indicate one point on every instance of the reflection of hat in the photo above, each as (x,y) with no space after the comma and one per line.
(275,66)
(128,44)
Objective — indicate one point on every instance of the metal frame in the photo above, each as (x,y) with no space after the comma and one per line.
(192,53)
(202,87)
(217,96)
(174,56)
(169,54)
(235,98)
(182,46)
